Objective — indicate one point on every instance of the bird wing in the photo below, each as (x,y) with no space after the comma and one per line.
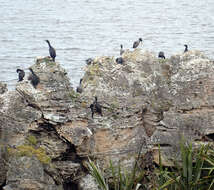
(52,52)
(135,44)
(22,74)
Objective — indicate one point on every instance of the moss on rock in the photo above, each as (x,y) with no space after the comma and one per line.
(29,149)
(32,140)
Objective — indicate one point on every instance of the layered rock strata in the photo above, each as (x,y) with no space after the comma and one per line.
(47,133)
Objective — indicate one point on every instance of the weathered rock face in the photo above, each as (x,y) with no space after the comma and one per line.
(2,159)
(150,101)
(52,95)
(28,173)
(28,117)
(145,101)
(3,88)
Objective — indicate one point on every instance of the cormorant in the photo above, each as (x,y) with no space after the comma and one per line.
(186,48)
(95,108)
(21,74)
(79,88)
(34,79)
(52,51)
(121,49)
(136,43)
(89,61)
(120,60)
(161,55)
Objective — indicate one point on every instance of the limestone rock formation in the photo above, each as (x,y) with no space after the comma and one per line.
(3,88)
(27,118)
(47,133)
(151,101)
(3,169)
(28,173)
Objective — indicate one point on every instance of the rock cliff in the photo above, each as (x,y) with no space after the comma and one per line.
(47,133)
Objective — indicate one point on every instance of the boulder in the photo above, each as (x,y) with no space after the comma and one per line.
(27,173)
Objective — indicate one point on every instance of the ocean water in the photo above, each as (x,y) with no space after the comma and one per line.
(88,28)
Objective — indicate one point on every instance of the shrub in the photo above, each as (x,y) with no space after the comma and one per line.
(194,173)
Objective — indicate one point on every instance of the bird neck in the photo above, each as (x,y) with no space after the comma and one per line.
(49,44)
(32,72)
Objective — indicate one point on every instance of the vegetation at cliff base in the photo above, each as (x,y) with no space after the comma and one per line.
(193,171)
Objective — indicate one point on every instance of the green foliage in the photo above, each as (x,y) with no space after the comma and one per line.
(209,165)
(122,180)
(98,175)
(190,174)
(195,171)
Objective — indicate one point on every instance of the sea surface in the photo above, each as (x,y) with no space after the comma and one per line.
(89,28)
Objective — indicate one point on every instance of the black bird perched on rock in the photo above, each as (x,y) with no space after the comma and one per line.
(120,60)
(121,49)
(95,108)
(161,55)
(52,51)
(34,79)
(21,74)
(79,88)
(136,43)
(186,48)
(89,61)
